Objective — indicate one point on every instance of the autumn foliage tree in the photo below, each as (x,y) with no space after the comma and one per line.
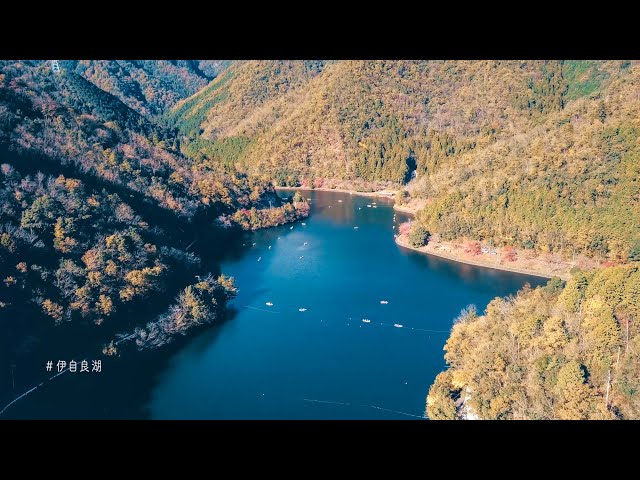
(196,305)
(549,353)
(473,248)
(509,254)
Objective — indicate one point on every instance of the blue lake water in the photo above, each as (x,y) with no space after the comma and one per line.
(276,362)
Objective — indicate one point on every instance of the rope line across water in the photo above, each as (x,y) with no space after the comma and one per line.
(364,405)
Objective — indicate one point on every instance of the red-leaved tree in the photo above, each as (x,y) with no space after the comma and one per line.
(510,254)
(473,248)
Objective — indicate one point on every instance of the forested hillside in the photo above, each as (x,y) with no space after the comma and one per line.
(150,87)
(67,120)
(99,211)
(556,352)
(533,154)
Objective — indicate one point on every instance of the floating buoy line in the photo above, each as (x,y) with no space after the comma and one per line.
(373,323)
(363,405)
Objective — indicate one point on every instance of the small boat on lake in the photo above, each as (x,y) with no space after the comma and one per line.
(366,320)
(384,302)
(355,228)
(397,325)
(305,243)
(259,258)
(269,304)
(303,224)
(302,309)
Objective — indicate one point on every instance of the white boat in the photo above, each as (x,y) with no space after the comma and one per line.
(269,304)
(375,206)
(355,228)
(359,208)
(303,224)
(301,257)
(291,228)
(397,325)
(302,309)
(384,302)
(269,247)
(254,244)
(368,205)
(366,320)
(329,206)
(394,227)
(259,258)
(339,201)
(305,243)
(373,203)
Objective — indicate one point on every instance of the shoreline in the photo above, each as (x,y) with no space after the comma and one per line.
(546,268)
(405,209)
(562,273)
(380,193)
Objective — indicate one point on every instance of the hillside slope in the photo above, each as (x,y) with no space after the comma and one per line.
(535,154)
(69,121)
(556,352)
(99,213)
(150,87)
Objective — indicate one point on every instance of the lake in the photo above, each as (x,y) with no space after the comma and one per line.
(278,362)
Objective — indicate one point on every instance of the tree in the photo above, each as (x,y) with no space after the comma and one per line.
(473,248)
(418,235)
(573,391)
(52,309)
(602,111)
(298,198)
(510,254)
(440,403)
(62,231)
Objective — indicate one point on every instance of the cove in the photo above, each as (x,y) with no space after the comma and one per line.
(277,362)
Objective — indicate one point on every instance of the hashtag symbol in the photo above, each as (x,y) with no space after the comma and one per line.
(49,365)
